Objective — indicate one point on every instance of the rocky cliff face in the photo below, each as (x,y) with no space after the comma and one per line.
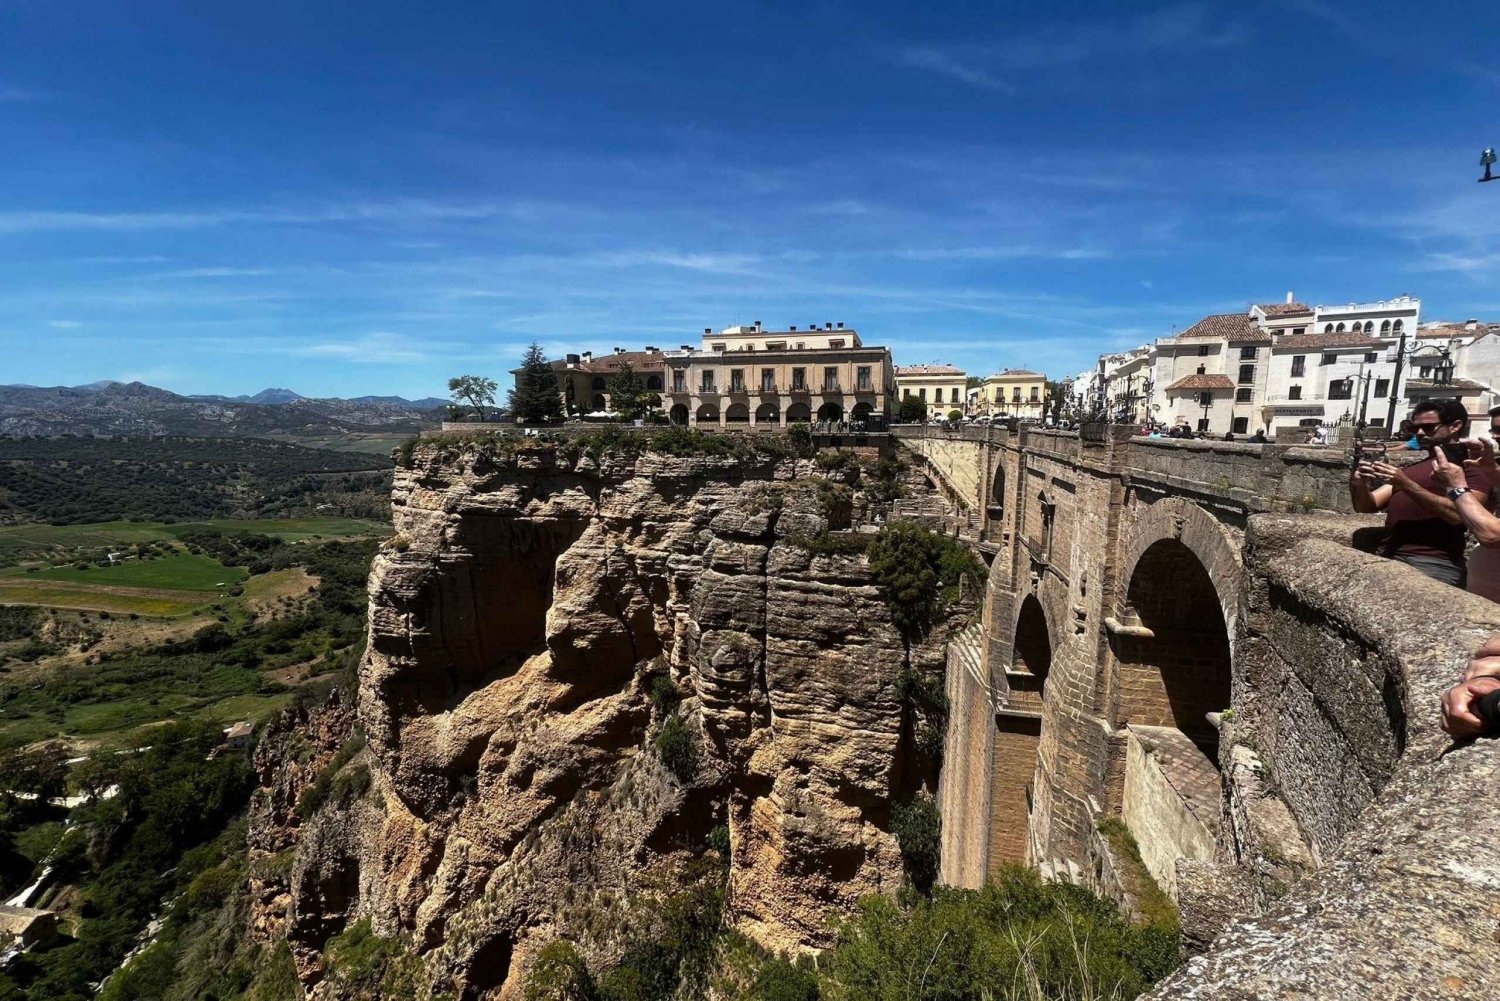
(519,623)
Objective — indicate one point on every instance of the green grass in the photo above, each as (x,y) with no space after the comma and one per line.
(160,602)
(20,541)
(179,571)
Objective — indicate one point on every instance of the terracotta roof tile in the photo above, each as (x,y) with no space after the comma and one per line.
(1196,382)
(1279,309)
(910,370)
(1236,328)
(1427,385)
(1323,342)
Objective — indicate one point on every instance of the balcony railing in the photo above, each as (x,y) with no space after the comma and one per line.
(708,391)
(800,388)
(768,389)
(831,387)
(737,388)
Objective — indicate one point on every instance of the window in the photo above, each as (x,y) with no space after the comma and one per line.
(1242,395)
(1299,366)
(1247,354)
(768,380)
(862,381)
(1385,326)
(598,384)
(1369,326)
(708,382)
(1299,330)
(799,378)
(1205,399)
(922,395)
(1339,329)
(736,380)
(1377,422)
(1382,387)
(1338,389)
(837,342)
(1203,351)
(1294,393)
(1200,370)
(1369,357)
(953,395)
(653,383)
(1034,398)
(719,347)
(1247,374)
(1328,328)
(1328,358)
(679,381)
(830,379)
(1396,327)
(1015,394)
(1241,425)
(1203,424)
(1425,372)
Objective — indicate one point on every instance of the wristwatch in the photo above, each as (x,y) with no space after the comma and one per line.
(1454,493)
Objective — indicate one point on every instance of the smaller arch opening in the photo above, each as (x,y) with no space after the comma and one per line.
(679,414)
(708,414)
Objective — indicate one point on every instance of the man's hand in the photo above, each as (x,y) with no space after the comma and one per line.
(1395,475)
(1459,718)
(1446,473)
(1486,660)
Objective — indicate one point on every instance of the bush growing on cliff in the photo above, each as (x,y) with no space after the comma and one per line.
(678,747)
(560,974)
(315,795)
(918,830)
(919,572)
(1017,939)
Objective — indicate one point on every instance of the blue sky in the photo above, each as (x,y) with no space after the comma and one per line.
(348,199)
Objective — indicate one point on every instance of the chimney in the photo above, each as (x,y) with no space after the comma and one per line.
(650,347)
(688,348)
(1472,325)
(827,324)
(757,324)
(572,361)
(1289,299)
(708,330)
(619,351)
(588,356)
(841,324)
(794,328)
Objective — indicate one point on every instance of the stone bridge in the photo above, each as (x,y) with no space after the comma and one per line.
(1187,670)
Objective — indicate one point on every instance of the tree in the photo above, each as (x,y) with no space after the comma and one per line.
(536,398)
(913,411)
(627,394)
(1055,400)
(475,390)
(955,415)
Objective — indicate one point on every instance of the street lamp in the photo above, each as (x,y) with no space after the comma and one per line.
(1487,160)
(1445,366)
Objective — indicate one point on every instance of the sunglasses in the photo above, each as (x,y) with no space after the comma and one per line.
(1426,428)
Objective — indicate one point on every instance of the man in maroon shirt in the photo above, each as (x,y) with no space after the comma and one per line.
(1422,526)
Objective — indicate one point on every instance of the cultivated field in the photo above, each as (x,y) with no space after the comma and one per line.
(21,542)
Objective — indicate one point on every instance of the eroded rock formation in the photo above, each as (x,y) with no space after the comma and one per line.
(517,620)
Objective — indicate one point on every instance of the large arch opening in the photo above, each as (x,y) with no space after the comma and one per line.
(708,414)
(679,413)
(831,412)
(798,413)
(767,413)
(1173,655)
(738,413)
(862,411)
(1031,655)
(997,491)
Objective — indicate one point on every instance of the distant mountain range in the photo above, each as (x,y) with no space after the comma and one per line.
(134,408)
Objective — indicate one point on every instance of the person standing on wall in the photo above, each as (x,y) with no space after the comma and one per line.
(1423,528)
(1475,507)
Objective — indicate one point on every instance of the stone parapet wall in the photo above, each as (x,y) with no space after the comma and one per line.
(1340,662)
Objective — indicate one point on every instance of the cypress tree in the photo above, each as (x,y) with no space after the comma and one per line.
(536,399)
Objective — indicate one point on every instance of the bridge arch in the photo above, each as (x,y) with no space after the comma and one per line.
(1172,649)
(1031,651)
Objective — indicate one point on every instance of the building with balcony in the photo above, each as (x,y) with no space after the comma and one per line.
(942,388)
(1015,392)
(748,376)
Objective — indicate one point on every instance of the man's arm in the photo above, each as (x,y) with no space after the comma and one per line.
(1437,505)
(1485,526)
(1364,499)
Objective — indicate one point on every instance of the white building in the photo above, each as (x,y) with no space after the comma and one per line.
(1287,364)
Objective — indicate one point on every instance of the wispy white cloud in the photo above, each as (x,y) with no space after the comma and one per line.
(1001,253)
(64,324)
(18,95)
(995,65)
(396,212)
(211,272)
(952,65)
